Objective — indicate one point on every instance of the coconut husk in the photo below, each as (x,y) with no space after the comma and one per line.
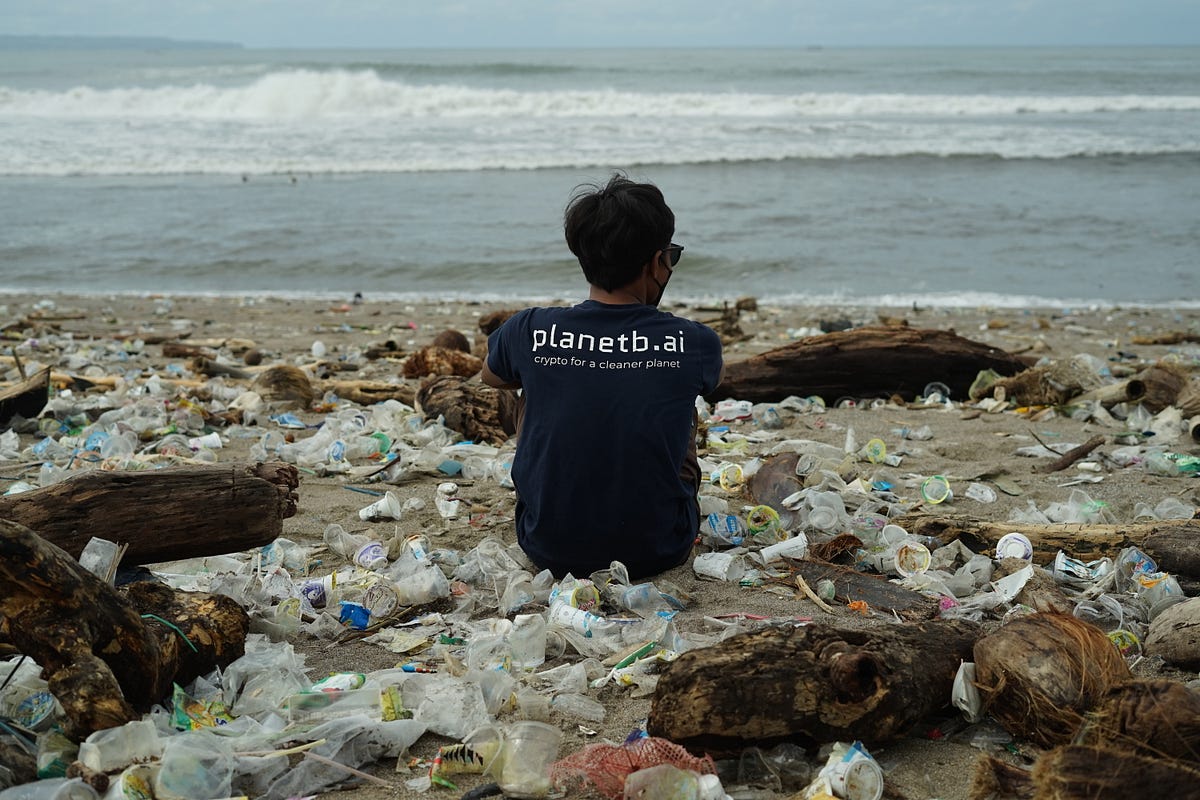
(1038,674)
(1087,772)
(285,386)
(1174,635)
(1163,384)
(1158,718)
(998,780)
(452,340)
(1050,384)
(441,361)
(493,320)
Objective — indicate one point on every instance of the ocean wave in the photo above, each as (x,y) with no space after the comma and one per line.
(316,94)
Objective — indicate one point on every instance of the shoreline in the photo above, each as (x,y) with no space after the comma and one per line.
(948,302)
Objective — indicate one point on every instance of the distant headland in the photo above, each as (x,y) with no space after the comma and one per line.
(8,42)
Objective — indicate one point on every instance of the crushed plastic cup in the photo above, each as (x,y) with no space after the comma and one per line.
(528,750)
(980,493)
(936,489)
(386,507)
(1014,545)
(209,441)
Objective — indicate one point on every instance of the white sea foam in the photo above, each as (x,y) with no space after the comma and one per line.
(311,94)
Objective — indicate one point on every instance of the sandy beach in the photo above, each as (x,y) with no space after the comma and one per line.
(937,759)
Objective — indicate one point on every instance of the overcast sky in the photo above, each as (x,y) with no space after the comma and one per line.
(591,23)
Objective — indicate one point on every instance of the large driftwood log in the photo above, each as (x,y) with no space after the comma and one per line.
(478,412)
(816,683)
(865,362)
(163,515)
(105,660)
(1173,544)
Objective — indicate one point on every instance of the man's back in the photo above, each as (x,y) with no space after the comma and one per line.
(609,406)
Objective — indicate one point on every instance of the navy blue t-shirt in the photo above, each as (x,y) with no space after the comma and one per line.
(610,393)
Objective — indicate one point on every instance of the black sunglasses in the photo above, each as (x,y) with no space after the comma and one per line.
(674,253)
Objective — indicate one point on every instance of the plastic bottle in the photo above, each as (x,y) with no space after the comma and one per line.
(669,782)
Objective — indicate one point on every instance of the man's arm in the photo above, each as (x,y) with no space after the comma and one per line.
(495,381)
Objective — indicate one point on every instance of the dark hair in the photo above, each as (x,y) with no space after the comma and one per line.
(615,229)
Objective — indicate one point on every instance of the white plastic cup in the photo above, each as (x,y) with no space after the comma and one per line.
(912,558)
(528,750)
(718,566)
(319,591)
(1014,545)
(386,507)
(795,547)
(209,441)
(371,556)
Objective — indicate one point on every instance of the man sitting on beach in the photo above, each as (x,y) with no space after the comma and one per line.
(605,467)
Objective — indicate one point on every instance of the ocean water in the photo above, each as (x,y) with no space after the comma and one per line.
(1009,177)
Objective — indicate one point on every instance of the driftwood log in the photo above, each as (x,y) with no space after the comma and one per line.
(478,412)
(25,399)
(816,683)
(1173,544)
(879,593)
(865,362)
(105,659)
(370,392)
(163,515)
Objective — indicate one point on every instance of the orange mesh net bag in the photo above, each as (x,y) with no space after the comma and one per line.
(605,766)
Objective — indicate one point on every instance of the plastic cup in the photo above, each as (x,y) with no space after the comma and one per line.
(528,750)
(1014,545)
(795,547)
(857,776)
(528,641)
(892,534)
(936,489)
(319,591)
(386,507)
(380,599)
(912,559)
(719,566)
(371,556)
